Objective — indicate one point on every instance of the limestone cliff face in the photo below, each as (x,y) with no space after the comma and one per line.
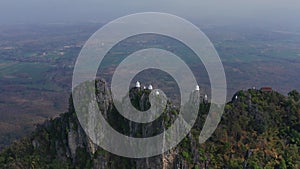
(67,141)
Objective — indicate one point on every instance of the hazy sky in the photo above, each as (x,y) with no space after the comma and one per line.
(52,11)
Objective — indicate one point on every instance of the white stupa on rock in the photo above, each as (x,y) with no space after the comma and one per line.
(157,93)
(197,88)
(150,87)
(205,97)
(145,87)
(138,84)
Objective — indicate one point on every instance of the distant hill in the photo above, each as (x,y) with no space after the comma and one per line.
(259,129)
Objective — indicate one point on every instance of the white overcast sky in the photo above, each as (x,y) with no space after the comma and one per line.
(284,12)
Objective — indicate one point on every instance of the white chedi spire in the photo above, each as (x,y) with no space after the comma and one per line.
(145,87)
(205,97)
(150,87)
(138,84)
(157,93)
(197,88)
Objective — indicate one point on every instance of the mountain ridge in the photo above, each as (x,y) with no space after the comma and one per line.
(258,130)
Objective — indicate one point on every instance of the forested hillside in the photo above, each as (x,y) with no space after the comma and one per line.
(258,130)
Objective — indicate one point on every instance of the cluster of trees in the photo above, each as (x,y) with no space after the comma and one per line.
(258,130)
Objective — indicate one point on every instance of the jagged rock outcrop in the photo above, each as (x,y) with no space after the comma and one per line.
(258,130)
(64,139)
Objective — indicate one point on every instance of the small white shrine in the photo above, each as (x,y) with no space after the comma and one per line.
(197,88)
(138,84)
(150,87)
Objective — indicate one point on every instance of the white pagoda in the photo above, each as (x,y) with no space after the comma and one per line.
(197,88)
(138,84)
(150,87)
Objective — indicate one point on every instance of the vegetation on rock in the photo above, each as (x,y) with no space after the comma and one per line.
(257,130)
